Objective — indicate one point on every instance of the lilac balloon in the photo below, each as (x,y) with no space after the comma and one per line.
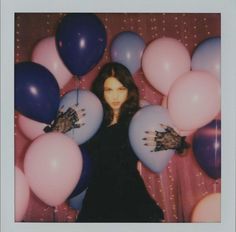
(149,118)
(93,109)
(206,57)
(207,148)
(127,49)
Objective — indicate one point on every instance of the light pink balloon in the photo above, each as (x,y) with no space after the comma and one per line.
(30,128)
(186,132)
(164,60)
(208,209)
(22,194)
(218,116)
(164,104)
(53,165)
(45,53)
(194,100)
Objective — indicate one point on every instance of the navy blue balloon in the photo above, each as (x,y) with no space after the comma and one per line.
(81,41)
(77,201)
(37,94)
(85,174)
(207,148)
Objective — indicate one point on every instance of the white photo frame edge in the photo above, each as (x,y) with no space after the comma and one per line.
(227,10)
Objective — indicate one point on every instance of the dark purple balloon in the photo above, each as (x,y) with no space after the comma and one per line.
(207,148)
(85,174)
(37,94)
(81,41)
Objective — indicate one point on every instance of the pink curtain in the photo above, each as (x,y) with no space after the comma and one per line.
(183,183)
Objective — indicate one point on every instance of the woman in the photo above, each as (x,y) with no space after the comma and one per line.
(116,192)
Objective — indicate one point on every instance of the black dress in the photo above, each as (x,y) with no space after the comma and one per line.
(116,192)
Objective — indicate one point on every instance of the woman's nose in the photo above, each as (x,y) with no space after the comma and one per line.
(115,95)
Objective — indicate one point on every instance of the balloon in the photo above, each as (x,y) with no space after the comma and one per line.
(37,93)
(93,109)
(22,194)
(149,118)
(81,41)
(163,61)
(53,165)
(77,201)
(194,100)
(206,56)
(85,174)
(46,54)
(127,49)
(186,132)
(207,148)
(164,104)
(30,128)
(208,209)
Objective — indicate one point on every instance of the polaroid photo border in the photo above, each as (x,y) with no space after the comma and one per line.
(226,9)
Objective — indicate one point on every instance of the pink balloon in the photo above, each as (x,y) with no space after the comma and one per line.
(218,116)
(164,104)
(22,194)
(194,100)
(53,165)
(186,132)
(208,209)
(45,53)
(164,60)
(30,128)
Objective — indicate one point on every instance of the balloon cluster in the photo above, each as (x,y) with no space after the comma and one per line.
(191,104)
(54,163)
(191,90)
(55,167)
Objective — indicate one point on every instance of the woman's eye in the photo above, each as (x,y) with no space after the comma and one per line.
(122,88)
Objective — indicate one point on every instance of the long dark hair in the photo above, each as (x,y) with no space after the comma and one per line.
(123,75)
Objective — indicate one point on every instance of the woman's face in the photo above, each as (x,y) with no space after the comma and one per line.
(115,93)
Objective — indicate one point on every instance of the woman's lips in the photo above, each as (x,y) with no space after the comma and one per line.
(115,103)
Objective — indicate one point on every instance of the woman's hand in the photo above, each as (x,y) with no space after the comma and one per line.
(65,121)
(169,139)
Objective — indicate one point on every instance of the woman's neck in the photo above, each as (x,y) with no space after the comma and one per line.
(115,117)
